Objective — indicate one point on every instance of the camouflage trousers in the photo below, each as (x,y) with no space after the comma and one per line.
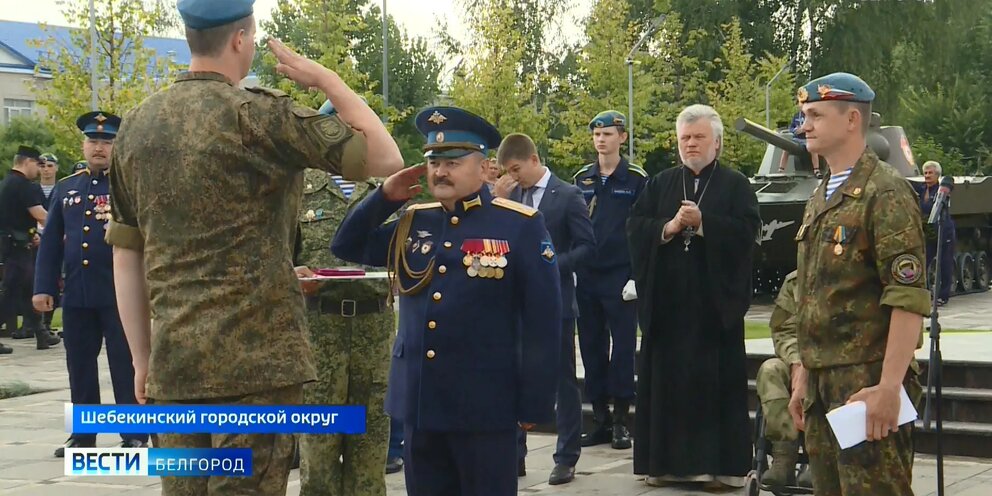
(878,468)
(271,454)
(774,385)
(352,358)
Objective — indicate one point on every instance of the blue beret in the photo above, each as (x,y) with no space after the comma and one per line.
(206,14)
(609,118)
(452,132)
(839,86)
(99,125)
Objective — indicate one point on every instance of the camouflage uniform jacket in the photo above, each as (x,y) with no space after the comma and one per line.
(324,207)
(206,182)
(860,256)
(783,322)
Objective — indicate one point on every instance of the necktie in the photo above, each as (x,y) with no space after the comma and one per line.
(529,197)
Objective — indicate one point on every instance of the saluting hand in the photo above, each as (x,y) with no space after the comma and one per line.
(297,67)
(504,186)
(405,184)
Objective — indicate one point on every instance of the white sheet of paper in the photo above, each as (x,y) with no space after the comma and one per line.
(849,422)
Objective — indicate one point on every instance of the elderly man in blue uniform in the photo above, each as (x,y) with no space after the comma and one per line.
(605,290)
(80,210)
(928,194)
(480,311)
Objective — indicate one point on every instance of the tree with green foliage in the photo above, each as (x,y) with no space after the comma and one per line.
(740,93)
(24,130)
(346,36)
(493,82)
(127,71)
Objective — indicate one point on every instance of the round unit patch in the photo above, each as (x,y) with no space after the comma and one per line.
(907,269)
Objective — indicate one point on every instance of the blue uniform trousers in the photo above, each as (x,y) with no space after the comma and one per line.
(603,314)
(395,438)
(460,463)
(946,264)
(568,405)
(84,330)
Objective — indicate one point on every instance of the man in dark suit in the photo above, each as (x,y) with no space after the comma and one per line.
(567,220)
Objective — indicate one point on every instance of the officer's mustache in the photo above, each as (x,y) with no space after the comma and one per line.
(441,180)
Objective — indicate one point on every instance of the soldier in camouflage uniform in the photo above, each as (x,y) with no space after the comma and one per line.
(351,327)
(862,297)
(774,383)
(207,181)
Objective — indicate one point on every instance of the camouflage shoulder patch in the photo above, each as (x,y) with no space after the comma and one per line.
(327,128)
(262,90)
(907,269)
(424,206)
(584,168)
(520,208)
(637,169)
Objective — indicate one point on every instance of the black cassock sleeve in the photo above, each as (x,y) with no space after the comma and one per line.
(731,238)
(644,230)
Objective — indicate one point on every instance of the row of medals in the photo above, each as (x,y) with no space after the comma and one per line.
(486,266)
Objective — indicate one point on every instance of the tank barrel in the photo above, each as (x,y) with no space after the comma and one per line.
(767,135)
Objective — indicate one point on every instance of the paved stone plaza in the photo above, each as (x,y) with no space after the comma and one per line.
(32,426)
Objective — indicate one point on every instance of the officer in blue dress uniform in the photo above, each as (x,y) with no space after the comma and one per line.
(73,236)
(477,351)
(605,291)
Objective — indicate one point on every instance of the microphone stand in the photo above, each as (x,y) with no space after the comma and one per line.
(935,368)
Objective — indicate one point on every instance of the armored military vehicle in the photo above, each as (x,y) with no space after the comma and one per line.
(785,181)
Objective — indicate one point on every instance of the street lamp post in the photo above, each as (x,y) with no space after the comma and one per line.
(385,56)
(630,83)
(768,97)
(93,63)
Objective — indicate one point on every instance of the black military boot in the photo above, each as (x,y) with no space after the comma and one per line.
(602,432)
(45,339)
(621,414)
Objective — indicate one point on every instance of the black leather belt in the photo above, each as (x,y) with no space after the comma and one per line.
(345,308)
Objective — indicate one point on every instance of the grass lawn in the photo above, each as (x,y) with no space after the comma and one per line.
(56,319)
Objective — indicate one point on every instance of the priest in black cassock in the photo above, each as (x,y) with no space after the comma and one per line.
(692,234)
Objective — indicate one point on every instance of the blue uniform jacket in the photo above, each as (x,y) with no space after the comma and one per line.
(73,235)
(926,206)
(472,353)
(609,206)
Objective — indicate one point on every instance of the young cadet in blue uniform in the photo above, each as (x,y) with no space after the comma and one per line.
(605,288)
(79,212)
(480,311)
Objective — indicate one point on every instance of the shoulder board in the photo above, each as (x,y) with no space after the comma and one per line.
(520,208)
(423,206)
(73,175)
(267,91)
(637,169)
(585,168)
